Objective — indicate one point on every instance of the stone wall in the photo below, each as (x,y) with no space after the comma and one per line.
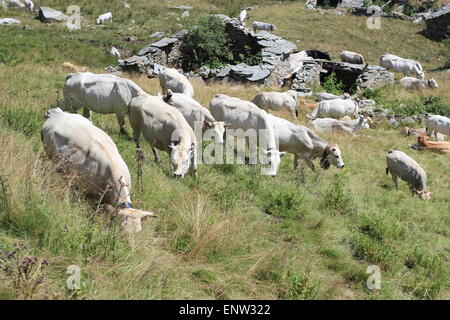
(438,23)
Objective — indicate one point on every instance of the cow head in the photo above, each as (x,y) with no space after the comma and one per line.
(131,218)
(422,140)
(273,160)
(181,158)
(420,74)
(272,27)
(432,83)
(332,155)
(218,128)
(424,195)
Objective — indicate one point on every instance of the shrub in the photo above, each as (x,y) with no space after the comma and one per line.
(206,44)
(333,85)
(426,104)
(26,122)
(337,197)
(286,203)
(8,58)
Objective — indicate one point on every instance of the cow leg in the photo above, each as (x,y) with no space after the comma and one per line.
(395,180)
(87,114)
(194,163)
(121,121)
(156,155)
(294,114)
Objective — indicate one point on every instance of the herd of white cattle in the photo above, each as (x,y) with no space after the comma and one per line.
(167,121)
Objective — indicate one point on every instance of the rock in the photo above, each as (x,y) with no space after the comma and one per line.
(47,14)
(185,15)
(347,4)
(438,23)
(165,42)
(157,34)
(181,7)
(126,5)
(393,123)
(408,120)
(9,21)
(366,103)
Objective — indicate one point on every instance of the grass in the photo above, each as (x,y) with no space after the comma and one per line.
(230,233)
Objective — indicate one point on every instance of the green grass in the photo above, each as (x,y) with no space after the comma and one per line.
(230,233)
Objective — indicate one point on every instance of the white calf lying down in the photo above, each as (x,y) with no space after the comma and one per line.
(277,101)
(329,96)
(336,109)
(104,17)
(400,165)
(263,26)
(165,128)
(411,83)
(406,66)
(246,115)
(175,81)
(352,57)
(101,93)
(305,145)
(86,150)
(350,126)
(438,124)
(193,112)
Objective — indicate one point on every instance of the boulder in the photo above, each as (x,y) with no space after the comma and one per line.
(9,21)
(47,14)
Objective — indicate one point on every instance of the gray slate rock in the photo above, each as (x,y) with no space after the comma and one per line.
(47,14)
(9,21)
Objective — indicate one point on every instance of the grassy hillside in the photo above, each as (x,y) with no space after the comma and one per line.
(230,233)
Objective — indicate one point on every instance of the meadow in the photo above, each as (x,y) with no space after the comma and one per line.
(228,233)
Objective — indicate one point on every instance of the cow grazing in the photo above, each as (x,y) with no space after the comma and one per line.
(336,109)
(400,165)
(263,26)
(411,83)
(164,128)
(305,144)
(101,93)
(89,152)
(352,126)
(434,146)
(316,54)
(104,17)
(175,81)
(438,124)
(277,101)
(406,66)
(194,113)
(246,115)
(352,57)
(73,67)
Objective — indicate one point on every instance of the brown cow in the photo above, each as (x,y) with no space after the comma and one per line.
(434,146)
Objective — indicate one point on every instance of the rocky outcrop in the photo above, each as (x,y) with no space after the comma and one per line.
(307,76)
(274,51)
(438,23)
(355,76)
(9,21)
(47,14)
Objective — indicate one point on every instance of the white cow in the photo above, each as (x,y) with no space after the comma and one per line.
(101,93)
(349,126)
(336,108)
(352,57)
(195,114)
(411,83)
(15,4)
(245,115)
(165,128)
(175,81)
(296,60)
(400,165)
(29,5)
(277,101)
(104,17)
(305,144)
(243,17)
(263,26)
(438,124)
(115,52)
(398,64)
(87,151)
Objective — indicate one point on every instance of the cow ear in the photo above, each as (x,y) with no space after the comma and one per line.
(172,145)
